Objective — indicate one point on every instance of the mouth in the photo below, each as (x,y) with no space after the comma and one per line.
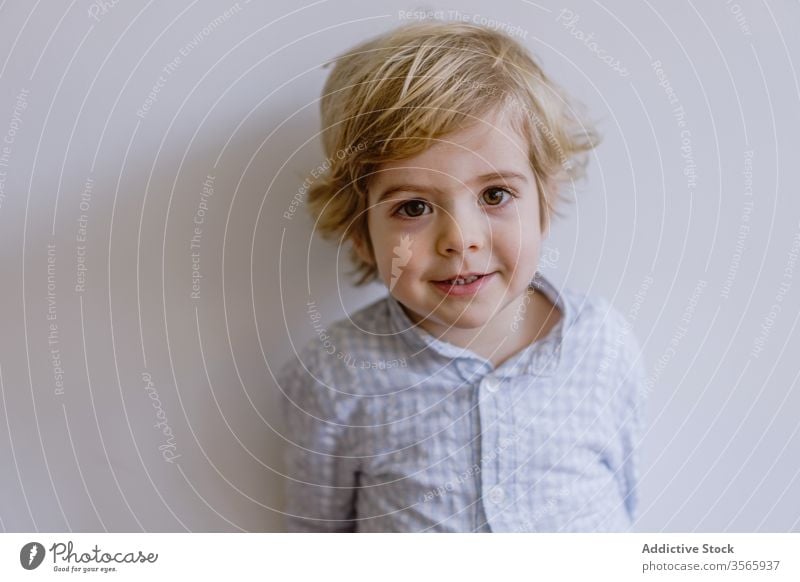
(463,283)
(464,279)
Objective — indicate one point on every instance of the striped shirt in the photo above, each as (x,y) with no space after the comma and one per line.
(392,430)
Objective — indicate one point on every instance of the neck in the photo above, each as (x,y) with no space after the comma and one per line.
(523,321)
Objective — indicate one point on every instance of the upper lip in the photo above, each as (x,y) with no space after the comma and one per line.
(461,276)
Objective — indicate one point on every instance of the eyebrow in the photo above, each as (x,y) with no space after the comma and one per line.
(483,178)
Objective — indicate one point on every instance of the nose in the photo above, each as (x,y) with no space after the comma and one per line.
(461,233)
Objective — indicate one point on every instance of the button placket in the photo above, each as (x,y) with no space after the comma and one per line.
(487,406)
(466,369)
(491,384)
(497,495)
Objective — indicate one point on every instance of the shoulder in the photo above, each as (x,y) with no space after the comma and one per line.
(353,330)
(608,345)
(364,335)
(364,323)
(598,323)
(590,313)
(319,372)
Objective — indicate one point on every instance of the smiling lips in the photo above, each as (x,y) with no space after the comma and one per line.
(463,284)
(462,279)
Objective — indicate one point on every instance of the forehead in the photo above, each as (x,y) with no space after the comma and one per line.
(490,144)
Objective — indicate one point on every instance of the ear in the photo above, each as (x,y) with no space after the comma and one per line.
(363,249)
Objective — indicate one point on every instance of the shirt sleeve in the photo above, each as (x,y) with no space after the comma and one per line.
(633,376)
(321,471)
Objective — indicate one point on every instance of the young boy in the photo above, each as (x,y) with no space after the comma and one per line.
(475,397)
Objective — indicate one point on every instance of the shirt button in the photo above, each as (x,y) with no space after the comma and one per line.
(497,495)
(491,384)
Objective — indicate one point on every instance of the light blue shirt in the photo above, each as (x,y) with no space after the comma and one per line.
(392,430)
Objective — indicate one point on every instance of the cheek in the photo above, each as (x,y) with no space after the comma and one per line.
(522,228)
(517,246)
(381,238)
(514,239)
(397,249)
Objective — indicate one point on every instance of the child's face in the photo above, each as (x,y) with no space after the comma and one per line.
(467,205)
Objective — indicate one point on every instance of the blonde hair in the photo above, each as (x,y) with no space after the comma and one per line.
(387,98)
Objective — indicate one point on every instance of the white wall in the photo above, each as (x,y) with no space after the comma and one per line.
(721,451)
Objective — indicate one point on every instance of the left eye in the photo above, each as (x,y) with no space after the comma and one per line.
(495,196)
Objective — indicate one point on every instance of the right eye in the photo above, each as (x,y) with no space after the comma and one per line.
(412,208)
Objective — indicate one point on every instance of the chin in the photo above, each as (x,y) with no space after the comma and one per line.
(470,319)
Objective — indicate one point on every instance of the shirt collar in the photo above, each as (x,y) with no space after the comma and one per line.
(541,358)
